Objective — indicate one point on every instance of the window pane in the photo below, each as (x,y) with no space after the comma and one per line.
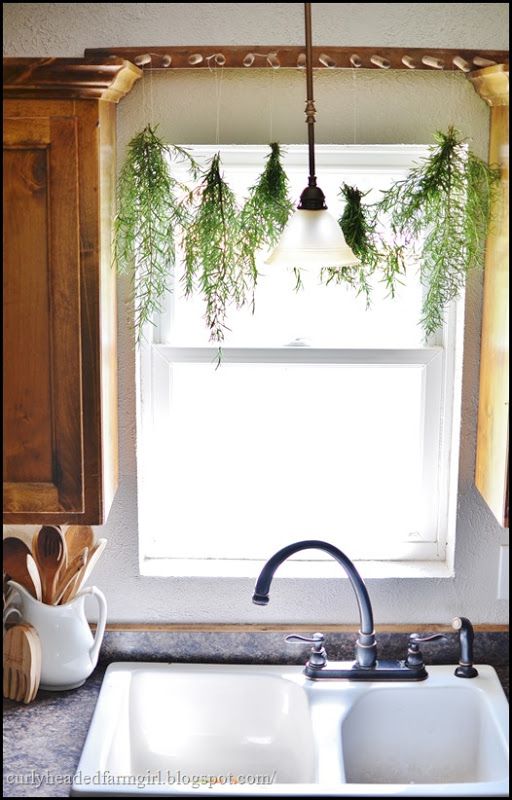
(258,456)
(320,316)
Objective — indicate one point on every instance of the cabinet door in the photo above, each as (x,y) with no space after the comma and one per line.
(43,437)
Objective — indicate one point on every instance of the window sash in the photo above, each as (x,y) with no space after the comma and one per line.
(298,355)
(427,545)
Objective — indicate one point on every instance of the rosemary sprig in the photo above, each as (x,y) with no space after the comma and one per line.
(148,217)
(446,200)
(213,261)
(266,210)
(359,226)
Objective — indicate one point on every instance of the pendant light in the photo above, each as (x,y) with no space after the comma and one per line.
(312,237)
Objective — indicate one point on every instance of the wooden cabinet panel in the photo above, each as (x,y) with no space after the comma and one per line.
(27,395)
(60,365)
(492,453)
(43,441)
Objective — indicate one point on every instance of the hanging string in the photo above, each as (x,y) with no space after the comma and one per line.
(454,77)
(218,95)
(143,107)
(354,104)
(271,124)
(151,105)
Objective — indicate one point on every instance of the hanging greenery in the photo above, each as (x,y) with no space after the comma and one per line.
(364,236)
(266,211)
(439,212)
(214,261)
(151,205)
(359,227)
(445,203)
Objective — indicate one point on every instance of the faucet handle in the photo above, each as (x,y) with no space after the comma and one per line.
(316,639)
(318,656)
(418,638)
(414,658)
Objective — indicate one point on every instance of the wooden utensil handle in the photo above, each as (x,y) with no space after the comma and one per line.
(74,568)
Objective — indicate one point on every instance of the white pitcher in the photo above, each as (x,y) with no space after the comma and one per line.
(69,652)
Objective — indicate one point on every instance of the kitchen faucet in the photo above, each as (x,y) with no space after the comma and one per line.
(366,666)
(366,646)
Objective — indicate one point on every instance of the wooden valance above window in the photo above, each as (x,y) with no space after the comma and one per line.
(288,56)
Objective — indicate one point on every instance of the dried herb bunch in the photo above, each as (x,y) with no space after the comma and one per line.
(359,225)
(365,237)
(444,203)
(266,211)
(152,206)
(214,262)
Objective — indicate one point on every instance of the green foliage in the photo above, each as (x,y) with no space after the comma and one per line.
(299,283)
(392,266)
(359,226)
(363,235)
(214,263)
(149,214)
(266,211)
(446,202)
(440,212)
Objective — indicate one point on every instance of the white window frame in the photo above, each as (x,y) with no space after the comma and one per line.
(441,364)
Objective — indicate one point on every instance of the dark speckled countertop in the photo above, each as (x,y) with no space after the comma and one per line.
(43,741)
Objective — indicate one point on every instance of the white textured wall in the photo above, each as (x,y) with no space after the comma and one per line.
(67,28)
(390,108)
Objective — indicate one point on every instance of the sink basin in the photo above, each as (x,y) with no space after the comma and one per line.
(216,722)
(202,729)
(434,734)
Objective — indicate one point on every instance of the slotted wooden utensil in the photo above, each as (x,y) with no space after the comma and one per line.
(50,553)
(15,563)
(22,663)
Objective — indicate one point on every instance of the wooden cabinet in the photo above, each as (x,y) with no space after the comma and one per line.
(492,456)
(60,370)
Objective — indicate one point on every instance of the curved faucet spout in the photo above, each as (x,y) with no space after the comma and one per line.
(366,647)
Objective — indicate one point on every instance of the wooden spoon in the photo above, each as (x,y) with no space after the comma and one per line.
(91,563)
(50,552)
(77,537)
(66,585)
(34,574)
(15,563)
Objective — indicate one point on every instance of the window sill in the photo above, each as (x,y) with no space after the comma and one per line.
(213,568)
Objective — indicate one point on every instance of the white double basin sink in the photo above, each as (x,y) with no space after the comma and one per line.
(205,729)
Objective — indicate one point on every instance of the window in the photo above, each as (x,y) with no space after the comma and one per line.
(325,420)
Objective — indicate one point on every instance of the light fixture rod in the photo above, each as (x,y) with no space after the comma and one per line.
(310,101)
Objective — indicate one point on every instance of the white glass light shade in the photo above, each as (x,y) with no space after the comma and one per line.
(312,239)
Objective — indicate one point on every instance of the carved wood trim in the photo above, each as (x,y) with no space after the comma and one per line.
(71,78)
(491,83)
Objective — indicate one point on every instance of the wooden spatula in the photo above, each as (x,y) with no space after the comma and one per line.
(91,563)
(77,537)
(22,663)
(67,581)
